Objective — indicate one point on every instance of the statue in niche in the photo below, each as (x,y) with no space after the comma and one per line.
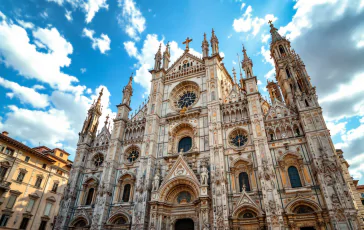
(156,180)
(204,175)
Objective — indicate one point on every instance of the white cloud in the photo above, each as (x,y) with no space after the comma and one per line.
(44,14)
(259,82)
(2,15)
(131,19)
(270,74)
(18,53)
(265,37)
(222,54)
(68,15)
(102,43)
(59,2)
(38,87)
(145,57)
(92,7)
(130,48)
(336,127)
(230,35)
(234,63)
(24,94)
(83,70)
(242,6)
(248,24)
(26,25)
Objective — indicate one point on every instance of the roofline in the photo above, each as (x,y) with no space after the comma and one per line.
(24,147)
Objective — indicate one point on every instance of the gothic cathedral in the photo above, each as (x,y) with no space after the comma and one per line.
(207,151)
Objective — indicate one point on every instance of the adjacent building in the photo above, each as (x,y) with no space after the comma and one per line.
(207,151)
(32,181)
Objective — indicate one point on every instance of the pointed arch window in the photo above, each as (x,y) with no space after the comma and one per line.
(185,144)
(90,196)
(306,103)
(294,177)
(281,50)
(244,180)
(288,73)
(126,193)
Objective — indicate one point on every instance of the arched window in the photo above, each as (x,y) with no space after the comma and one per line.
(281,49)
(98,160)
(120,221)
(126,193)
(90,196)
(294,177)
(80,223)
(306,102)
(303,209)
(185,144)
(244,180)
(248,215)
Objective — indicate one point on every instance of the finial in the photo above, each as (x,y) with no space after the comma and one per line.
(100,95)
(204,36)
(270,23)
(234,73)
(107,120)
(187,42)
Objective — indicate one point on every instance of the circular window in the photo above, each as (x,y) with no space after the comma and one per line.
(133,155)
(238,138)
(184,95)
(185,144)
(186,99)
(98,160)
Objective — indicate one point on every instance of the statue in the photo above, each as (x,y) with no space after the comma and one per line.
(204,175)
(156,180)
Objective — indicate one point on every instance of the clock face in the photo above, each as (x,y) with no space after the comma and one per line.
(239,139)
(186,100)
(133,156)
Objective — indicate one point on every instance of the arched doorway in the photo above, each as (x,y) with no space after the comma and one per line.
(184,224)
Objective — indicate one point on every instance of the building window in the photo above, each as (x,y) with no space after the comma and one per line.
(244,180)
(362,202)
(27,158)
(20,177)
(59,172)
(306,103)
(185,144)
(126,193)
(38,182)
(362,195)
(288,73)
(11,202)
(43,225)
(44,166)
(24,223)
(55,187)
(281,49)
(61,154)
(4,220)
(98,160)
(47,209)
(133,155)
(9,151)
(30,205)
(3,171)
(90,196)
(294,177)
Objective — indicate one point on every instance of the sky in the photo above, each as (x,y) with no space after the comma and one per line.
(56,55)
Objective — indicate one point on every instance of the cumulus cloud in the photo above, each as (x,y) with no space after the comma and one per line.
(27,25)
(102,43)
(145,57)
(24,94)
(19,53)
(131,19)
(246,23)
(68,15)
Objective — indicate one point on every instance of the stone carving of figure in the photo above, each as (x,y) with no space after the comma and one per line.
(204,175)
(156,180)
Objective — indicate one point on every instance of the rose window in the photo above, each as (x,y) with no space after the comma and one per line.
(98,160)
(133,155)
(186,99)
(238,138)
(185,95)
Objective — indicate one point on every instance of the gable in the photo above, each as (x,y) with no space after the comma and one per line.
(187,60)
(180,168)
(279,110)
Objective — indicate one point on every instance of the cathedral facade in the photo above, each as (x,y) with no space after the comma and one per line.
(207,151)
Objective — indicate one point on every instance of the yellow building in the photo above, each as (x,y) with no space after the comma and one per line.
(32,184)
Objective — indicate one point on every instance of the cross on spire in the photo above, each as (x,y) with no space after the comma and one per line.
(187,41)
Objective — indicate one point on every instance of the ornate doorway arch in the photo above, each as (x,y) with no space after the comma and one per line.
(184,224)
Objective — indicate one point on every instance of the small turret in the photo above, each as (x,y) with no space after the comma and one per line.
(128,91)
(274,91)
(214,43)
(205,47)
(166,57)
(158,59)
(92,120)
(247,65)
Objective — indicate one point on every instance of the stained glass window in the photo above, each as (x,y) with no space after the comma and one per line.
(185,144)
(244,180)
(133,155)
(98,160)
(184,197)
(294,177)
(187,99)
(238,138)
(126,193)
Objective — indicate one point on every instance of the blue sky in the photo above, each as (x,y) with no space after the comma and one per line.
(56,55)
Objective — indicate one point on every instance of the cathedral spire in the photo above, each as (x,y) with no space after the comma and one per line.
(166,57)
(247,65)
(234,73)
(158,59)
(274,32)
(205,47)
(128,91)
(214,43)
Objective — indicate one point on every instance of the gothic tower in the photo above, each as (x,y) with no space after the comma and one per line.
(274,91)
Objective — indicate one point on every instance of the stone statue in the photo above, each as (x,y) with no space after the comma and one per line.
(156,180)
(204,175)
